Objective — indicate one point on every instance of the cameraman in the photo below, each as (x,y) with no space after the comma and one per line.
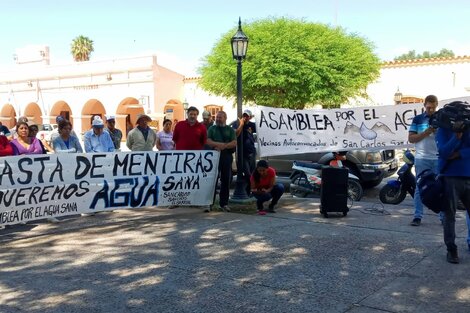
(454,155)
(422,135)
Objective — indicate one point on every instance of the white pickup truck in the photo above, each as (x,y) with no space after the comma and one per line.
(45,131)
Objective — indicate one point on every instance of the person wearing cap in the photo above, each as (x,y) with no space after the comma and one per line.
(249,150)
(116,134)
(96,139)
(4,130)
(142,137)
(207,119)
(190,134)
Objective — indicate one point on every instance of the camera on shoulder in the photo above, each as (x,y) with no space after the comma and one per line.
(454,116)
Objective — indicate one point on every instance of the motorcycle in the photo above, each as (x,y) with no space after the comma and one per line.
(306,179)
(394,192)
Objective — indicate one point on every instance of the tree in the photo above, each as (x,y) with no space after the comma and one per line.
(81,48)
(292,64)
(411,55)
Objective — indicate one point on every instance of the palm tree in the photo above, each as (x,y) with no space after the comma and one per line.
(81,48)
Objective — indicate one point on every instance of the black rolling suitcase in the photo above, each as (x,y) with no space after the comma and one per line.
(334,191)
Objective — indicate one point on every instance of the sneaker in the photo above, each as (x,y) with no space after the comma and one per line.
(53,220)
(261,212)
(271,209)
(452,257)
(416,222)
(207,209)
(225,208)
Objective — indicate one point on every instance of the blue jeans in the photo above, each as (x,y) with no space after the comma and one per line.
(275,195)
(420,166)
(468,227)
(249,165)
(457,188)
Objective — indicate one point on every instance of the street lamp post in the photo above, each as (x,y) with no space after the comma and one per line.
(239,46)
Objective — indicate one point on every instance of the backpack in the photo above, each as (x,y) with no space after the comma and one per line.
(431,190)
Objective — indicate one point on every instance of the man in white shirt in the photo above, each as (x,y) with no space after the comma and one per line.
(96,139)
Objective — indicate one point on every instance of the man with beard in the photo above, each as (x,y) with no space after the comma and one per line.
(116,134)
(190,134)
(222,138)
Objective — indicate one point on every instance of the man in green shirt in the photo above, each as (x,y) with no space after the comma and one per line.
(222,138)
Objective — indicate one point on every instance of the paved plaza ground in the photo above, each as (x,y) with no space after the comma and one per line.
(184,260)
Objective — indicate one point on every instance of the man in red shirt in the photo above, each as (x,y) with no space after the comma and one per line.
(190,134)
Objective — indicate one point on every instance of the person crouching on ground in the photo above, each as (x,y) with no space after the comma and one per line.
(264,187)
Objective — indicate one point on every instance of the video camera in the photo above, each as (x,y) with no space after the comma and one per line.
(454,116)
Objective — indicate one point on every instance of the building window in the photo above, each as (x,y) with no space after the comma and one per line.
(213,109)
(408,100)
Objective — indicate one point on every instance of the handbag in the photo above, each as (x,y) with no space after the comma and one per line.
(431,190)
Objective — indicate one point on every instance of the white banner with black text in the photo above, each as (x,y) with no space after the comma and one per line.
(285,131)
(40,186)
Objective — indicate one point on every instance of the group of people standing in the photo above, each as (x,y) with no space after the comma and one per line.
(193,135)
(188,134)
(447,153)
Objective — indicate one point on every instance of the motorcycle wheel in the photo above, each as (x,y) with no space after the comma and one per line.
(299,184)
(392,195)
(355,190)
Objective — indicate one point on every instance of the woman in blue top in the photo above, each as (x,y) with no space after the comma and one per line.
(66,143)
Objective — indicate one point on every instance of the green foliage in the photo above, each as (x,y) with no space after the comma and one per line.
(292,64)
(81,48)
(411,55)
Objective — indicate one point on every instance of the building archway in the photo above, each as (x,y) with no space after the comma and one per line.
(174,111)
(91,108)
(61,108)
(8,116)
(126,114)
(33,113)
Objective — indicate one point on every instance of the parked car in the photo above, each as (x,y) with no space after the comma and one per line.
(370,166)
(45,131)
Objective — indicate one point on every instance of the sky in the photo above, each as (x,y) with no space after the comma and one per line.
(182,32)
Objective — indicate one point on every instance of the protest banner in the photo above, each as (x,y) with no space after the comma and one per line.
(51,185)
(284,131)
